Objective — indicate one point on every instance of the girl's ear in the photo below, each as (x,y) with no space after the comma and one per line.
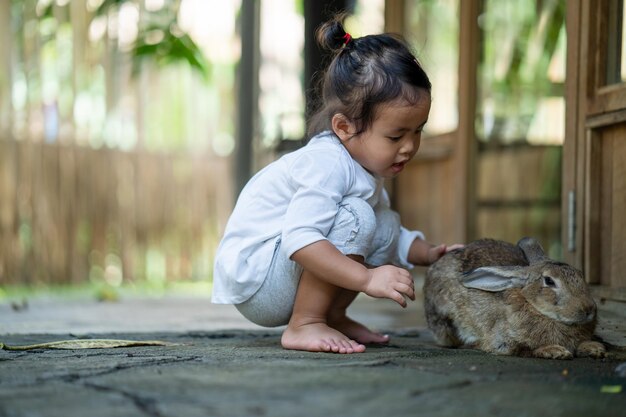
(342,126)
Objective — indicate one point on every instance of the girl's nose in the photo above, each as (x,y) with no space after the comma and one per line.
(408,146)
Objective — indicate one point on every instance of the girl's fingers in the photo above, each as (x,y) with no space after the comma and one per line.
(406,278)
(399,298)
(410,292)
(453,247)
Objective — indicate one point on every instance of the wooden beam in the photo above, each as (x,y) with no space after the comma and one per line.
(316,12)
(394,16)
(248,92)
(466,147)
(571,196)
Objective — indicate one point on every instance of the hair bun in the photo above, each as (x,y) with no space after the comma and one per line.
(331,35)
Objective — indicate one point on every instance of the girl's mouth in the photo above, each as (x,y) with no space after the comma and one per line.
(398,167)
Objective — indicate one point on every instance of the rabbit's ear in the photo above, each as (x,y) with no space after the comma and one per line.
(533,251)
(495,278)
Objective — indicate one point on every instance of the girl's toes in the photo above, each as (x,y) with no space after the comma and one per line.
(347,347)
(357,346)
(325,346)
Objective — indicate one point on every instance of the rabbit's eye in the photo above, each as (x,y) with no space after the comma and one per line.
(549,282)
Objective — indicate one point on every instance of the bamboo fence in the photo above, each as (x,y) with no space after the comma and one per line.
(69,214)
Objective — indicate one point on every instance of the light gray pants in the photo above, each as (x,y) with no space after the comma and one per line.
(357,230)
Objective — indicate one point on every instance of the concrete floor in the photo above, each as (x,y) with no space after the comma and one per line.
(62,315)
(218,364)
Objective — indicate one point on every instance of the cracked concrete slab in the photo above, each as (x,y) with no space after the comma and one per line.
(246,373)
(218,364)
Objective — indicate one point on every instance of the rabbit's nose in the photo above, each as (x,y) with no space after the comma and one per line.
(590,312)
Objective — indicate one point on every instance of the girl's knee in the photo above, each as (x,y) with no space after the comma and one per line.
(354,227)
(384,247)
(388,225)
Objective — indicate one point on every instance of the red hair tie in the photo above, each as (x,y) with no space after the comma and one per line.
(346,39)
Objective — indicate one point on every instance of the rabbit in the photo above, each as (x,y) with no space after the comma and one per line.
(510,300)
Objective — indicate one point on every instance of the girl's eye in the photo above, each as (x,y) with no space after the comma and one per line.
(394,138)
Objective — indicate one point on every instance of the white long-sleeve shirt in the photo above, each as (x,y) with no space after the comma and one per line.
(296,199)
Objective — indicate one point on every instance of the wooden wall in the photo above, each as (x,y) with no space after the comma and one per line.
(427,197)
(70,213)
(435,193)
(518,193)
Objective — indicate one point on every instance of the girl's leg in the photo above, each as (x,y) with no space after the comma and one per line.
(384,249)
(272,304)
(308,327)
(338,319)
(380,230)
(319,321)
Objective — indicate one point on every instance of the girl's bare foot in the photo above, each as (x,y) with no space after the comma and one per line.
(356,330)
(318,337)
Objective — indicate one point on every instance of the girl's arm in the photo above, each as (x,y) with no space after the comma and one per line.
(423,253)
(324,261)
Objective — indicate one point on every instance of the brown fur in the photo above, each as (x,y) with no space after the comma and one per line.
(548,313)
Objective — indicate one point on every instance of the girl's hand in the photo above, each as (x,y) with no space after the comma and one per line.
(391,282)
(424,254)
(436,252)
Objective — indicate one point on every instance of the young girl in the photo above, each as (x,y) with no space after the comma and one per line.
(313,229)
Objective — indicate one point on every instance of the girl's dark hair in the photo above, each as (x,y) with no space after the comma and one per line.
(363,74)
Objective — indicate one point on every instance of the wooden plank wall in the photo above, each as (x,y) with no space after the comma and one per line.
(517,194)
(70,213)
(427,199)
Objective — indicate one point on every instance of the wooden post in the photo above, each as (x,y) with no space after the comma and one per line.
(6,40)
(466,147)
(248,92)
(316,12)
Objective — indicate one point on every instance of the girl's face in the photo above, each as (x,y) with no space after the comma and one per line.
(392,140)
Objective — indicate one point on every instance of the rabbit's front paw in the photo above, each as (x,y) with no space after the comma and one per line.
(591,349)
(552,352)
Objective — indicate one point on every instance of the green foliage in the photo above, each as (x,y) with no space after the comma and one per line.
(108,5)
(173,48)
(173,45)
(520,40)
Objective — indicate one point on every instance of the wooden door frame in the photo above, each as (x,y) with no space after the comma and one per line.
(572,199)
(591,105)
